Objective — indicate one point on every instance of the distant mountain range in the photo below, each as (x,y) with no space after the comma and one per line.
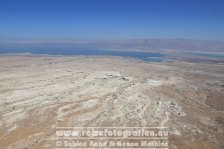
(165,44)
(182,45)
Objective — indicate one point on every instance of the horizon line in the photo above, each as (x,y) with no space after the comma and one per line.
(84,41)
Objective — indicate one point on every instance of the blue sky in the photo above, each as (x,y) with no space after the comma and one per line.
(111,19)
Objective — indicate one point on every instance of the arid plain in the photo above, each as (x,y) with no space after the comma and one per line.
(38,93)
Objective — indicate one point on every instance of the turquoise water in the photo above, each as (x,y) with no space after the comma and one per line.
(209,55)
(78,50)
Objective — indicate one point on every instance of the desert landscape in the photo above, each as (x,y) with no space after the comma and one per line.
(111,74)
(38,93)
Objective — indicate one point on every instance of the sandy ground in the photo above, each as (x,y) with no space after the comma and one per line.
(38,93)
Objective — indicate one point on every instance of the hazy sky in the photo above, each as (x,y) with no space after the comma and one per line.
(111,19)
